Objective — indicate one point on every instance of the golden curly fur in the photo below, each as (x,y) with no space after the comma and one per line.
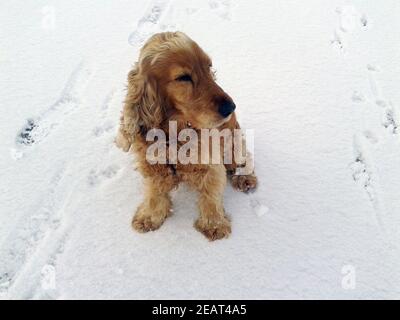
(173,80)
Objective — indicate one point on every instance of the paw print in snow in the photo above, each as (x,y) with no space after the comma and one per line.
(97,177)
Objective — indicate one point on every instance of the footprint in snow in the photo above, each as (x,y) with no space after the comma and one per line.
(107,127)
(37,129)
(358,97)
(391,120)
(350,19)
(371,137)
(16,154)
(391,115)
(97,177)
(223,8)
(148,23)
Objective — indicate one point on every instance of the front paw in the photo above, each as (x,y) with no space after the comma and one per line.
(144,221)
(214,229)
(244,183)
(122,142)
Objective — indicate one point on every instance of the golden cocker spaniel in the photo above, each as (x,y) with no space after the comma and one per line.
(173,81)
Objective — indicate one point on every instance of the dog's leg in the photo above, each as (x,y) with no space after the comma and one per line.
(212,221)
(156,206)
(122,141)
(241,175)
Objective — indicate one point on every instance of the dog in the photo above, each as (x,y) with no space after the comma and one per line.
(173,80)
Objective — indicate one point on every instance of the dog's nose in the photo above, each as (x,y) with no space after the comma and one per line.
(226,108)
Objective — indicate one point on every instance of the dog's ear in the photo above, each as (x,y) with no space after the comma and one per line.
(143,108)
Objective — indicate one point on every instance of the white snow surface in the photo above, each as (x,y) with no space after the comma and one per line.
(317,80)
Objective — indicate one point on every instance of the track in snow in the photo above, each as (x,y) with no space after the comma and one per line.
(37,129)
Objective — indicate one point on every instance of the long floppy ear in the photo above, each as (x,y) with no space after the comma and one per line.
(143,108)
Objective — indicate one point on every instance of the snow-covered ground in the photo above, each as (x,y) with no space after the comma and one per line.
(318,81)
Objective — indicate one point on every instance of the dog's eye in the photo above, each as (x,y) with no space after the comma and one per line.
(184,77)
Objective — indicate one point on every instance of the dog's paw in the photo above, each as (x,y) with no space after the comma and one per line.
(143,222)
(122,142)
(244,183)
(214,229)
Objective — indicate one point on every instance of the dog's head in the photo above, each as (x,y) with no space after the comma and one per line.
(173,79)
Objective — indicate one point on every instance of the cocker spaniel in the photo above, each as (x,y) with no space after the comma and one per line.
(173,81)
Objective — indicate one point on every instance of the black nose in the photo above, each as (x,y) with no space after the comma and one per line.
(226,108)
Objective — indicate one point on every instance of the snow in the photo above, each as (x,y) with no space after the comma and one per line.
(316,80)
